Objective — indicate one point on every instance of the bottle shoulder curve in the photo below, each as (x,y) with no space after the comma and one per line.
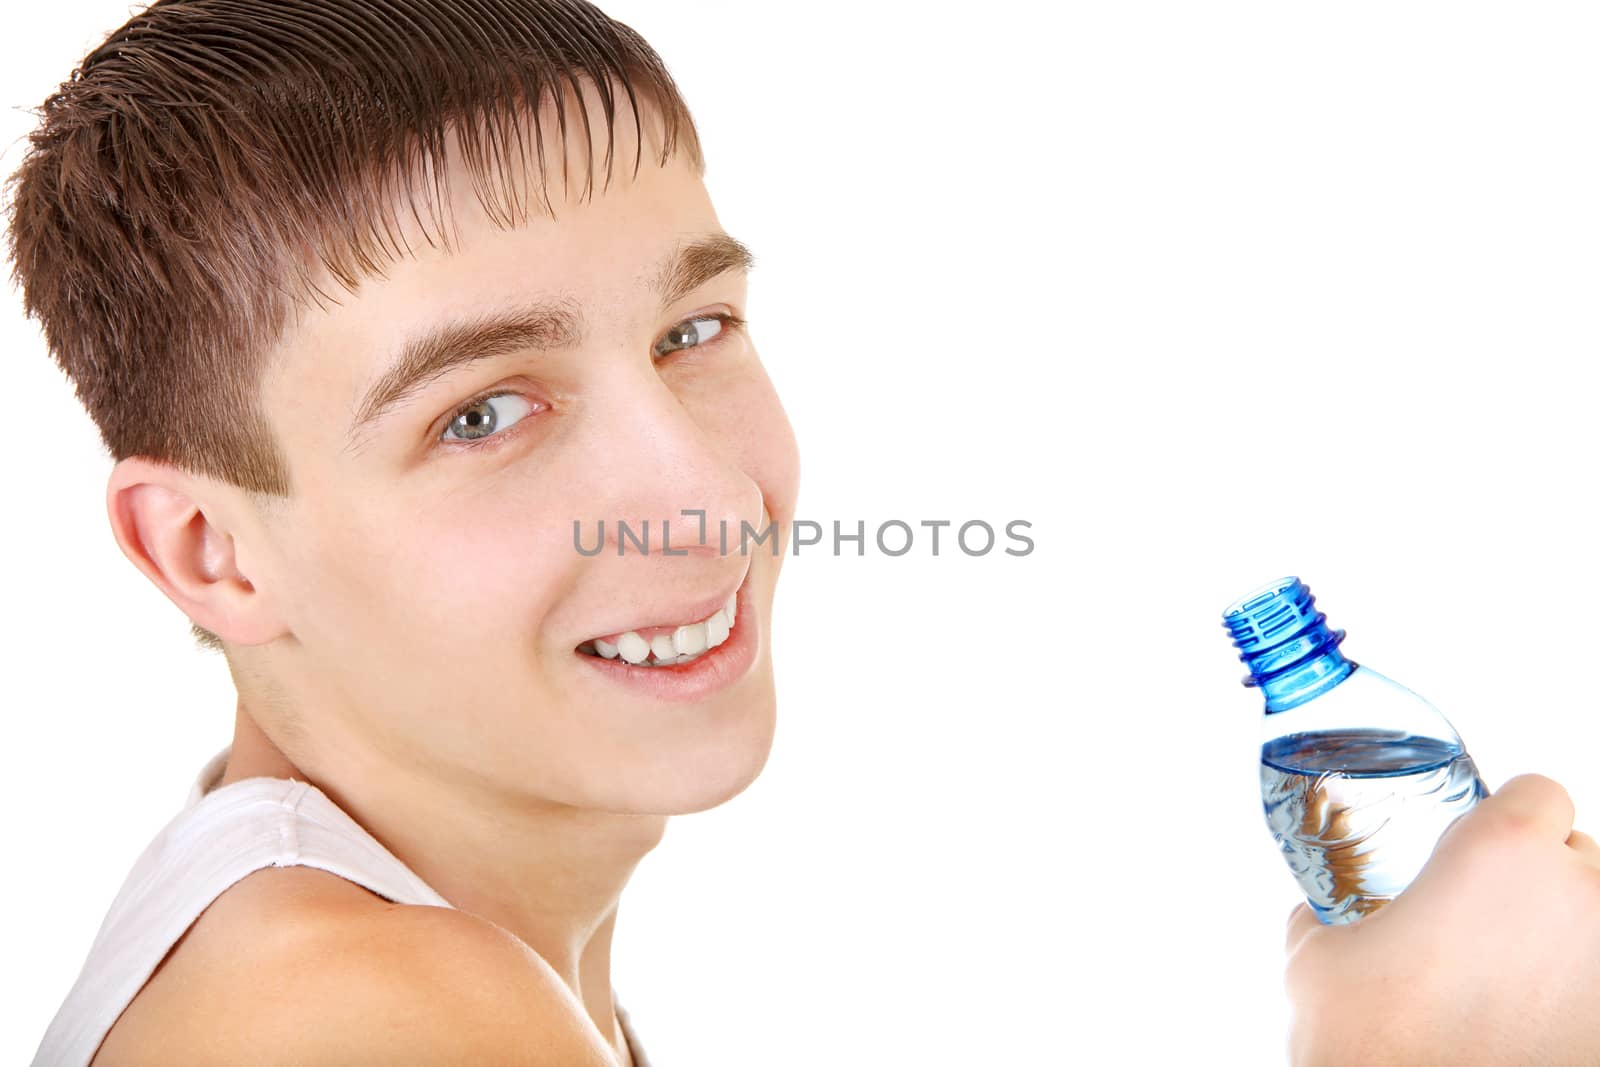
(1364,700)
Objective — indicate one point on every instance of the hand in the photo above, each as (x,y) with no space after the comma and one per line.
(1491,956)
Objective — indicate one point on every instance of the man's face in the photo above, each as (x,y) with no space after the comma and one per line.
(440,611)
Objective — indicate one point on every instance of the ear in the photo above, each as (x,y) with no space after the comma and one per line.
(163,527)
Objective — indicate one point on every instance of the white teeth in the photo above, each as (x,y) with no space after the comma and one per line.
(687,642)
(632,647)
(690,640)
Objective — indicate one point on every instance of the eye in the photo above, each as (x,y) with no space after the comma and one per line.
(696,332)
(486,416)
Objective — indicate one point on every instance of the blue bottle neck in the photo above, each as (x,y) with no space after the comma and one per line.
(1292,685)
(1292,654)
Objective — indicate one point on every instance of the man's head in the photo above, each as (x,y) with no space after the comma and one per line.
(353,446)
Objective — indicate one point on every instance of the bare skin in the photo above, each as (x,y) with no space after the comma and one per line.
(1492,956)
(403,633)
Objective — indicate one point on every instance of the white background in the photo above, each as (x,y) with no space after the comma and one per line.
(1208,293)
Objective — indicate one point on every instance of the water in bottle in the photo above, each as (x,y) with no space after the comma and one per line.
(1359,775)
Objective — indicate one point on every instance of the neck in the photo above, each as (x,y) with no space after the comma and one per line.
(549,873)
(1310,677)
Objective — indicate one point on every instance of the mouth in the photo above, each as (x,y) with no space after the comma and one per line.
(671,644)
(687,676)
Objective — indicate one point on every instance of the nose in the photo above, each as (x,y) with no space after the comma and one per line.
(669,469)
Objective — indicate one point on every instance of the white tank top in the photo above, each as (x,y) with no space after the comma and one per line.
(218,837)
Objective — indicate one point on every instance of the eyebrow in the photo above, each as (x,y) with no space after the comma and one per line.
(545,325)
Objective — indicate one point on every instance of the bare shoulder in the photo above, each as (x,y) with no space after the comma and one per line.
(296,965)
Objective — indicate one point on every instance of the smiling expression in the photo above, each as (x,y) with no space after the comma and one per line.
(448,425)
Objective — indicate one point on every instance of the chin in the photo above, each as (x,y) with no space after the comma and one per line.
(698,776)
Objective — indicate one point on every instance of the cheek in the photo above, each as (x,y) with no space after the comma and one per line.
(492,561)
(452,578)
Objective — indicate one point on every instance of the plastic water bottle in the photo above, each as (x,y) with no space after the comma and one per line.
(1359,776)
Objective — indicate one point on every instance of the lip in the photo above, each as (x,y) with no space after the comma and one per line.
(692,613)
(701,676)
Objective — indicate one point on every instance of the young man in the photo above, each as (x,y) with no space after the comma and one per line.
(390,311)
(355,460)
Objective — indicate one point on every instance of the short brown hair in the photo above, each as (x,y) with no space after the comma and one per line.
(211,159)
